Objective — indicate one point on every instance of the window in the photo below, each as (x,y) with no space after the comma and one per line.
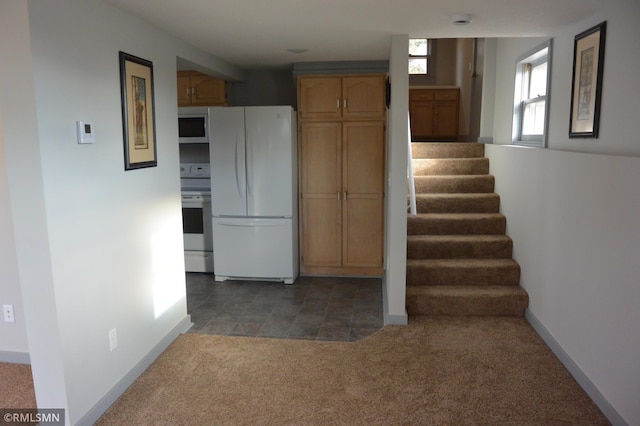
(531,100)
(419,56)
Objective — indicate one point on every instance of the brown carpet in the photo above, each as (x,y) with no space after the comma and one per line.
(436,371)
(16,386)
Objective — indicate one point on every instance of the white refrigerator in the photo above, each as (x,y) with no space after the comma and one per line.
(254,186)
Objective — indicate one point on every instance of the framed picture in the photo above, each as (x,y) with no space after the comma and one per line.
(138,112)
(586,90)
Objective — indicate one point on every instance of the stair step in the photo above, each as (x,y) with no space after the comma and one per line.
(450,166)
(456,224)
(447,149)
(458,203)
(459,247)
(455,184)
(458,272)
(467,301)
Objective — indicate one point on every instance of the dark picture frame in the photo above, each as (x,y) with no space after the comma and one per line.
(586,87)
(138,112)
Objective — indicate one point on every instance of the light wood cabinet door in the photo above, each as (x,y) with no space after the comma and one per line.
(422,114)
(363,96)
(446,119)
(363,188)
(184,90)
(319,97)
(208,91)
(197,89)
(321,183)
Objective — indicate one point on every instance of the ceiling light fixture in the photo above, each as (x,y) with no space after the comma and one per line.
(297,50)
(461,19)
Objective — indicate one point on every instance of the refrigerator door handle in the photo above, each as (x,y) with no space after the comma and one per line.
(237,167)
(251,224)
(249,163)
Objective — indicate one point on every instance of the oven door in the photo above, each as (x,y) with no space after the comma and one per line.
(196,223)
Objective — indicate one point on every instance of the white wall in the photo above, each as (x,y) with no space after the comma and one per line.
(97,247)
(574,215)
(488,101)
(394,280)
(13,345)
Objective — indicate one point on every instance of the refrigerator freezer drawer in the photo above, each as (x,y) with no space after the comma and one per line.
(254,248)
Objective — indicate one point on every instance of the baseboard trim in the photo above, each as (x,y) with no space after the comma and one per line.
(587,385)
(396,319)
(110,397)
(15,357)
(387,318)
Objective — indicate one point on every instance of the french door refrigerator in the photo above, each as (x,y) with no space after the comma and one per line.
(254,190)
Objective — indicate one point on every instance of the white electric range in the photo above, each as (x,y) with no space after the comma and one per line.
(195,185)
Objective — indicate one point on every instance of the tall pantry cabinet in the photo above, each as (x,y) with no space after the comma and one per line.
(342,146)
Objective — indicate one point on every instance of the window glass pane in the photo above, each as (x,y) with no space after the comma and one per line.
(533,118)
(418,47)
(418,66)
(538,85)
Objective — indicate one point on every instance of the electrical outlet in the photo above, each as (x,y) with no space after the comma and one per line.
(7,313)
(113,339)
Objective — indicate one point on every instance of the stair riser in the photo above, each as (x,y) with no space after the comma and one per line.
(462,166)
(454,184)
(430,204)
(455,306)
(459,250)
(447,150)
(489,226)
(501,276)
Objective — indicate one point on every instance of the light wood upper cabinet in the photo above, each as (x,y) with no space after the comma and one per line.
(347,97)
(434,114)
(197,89)
(319,97)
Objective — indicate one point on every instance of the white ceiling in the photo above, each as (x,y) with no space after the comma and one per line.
(257,33)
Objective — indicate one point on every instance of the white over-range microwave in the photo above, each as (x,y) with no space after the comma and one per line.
(193,125)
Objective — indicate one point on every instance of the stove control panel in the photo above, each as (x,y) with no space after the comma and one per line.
(194,170)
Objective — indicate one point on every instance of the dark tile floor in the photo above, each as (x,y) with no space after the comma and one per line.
(315,308)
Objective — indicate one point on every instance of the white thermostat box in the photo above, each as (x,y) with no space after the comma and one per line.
(85,132)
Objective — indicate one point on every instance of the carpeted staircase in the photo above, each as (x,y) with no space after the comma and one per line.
(458,256)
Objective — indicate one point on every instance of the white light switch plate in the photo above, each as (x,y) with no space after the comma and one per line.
(7,313)
(85,132)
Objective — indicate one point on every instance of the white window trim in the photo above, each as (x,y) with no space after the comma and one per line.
(427,57)
(534,55)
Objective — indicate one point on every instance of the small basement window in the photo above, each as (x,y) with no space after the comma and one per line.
(419,56)
(531,97)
